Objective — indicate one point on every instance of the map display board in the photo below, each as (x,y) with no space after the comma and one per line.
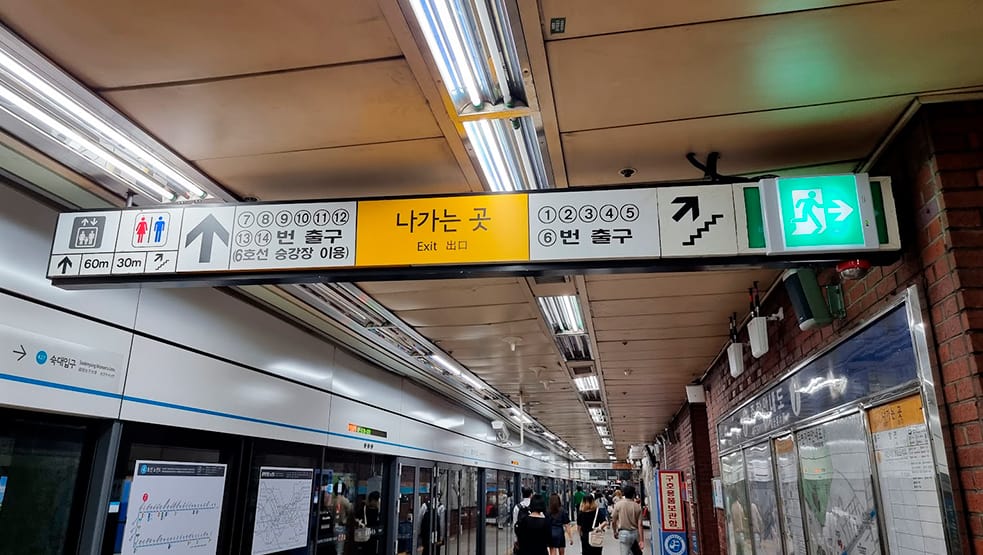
(905,470)
(174,507)
(836,485)
(765,525)
(787,464)
(736,502)
(283,509)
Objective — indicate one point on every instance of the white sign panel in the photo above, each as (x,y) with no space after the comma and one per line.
(593,224)
(205,241)
(86,232)
(37,356)
(697,221)
(310,235)
(174,507)
(283,509)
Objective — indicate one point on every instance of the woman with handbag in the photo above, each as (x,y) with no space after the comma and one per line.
(592,520)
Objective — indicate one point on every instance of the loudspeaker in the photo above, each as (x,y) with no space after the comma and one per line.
(757,333)
(694,394)
(807,298)
(735,356)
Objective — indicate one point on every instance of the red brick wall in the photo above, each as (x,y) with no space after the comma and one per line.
(690,452)
(937,168)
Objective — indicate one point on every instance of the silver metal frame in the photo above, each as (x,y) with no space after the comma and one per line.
(928,374)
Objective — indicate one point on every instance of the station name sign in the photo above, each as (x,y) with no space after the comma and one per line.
(638,228)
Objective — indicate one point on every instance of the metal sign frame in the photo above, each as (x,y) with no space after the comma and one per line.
(747,257)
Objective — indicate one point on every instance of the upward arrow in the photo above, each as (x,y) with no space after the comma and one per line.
(688,204)
(64,264)
(208,229)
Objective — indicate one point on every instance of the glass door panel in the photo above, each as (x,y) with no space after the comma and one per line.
(405,510)
(765,525)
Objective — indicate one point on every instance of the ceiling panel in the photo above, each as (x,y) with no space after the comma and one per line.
(468,315)
(671,285)
(478,331)
(683,306)
(375,287)
(718,329)
(297,110)
(497,350)
(114,43)
(795,59)
(583,17)
(750,142)
(421,166)
(464,295)
(657,321)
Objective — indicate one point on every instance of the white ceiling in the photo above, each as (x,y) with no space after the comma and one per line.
(333,98)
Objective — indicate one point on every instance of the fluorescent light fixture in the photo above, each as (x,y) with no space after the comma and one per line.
(607,441)
(519,417)
(503,148)
(443,33)
(613,458)
(563,314)
(563,444)
(446,364)
(587,383)
(597,414)
(602,430)
(548,435)
(45,107)
(472,382)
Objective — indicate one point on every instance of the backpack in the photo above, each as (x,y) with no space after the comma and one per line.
(523,513)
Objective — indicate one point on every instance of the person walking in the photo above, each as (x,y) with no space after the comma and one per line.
(578,496)
(589,517)
(559,527)
(534,532)
(626,522)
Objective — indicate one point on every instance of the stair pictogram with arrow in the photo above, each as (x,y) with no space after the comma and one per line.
(703,229)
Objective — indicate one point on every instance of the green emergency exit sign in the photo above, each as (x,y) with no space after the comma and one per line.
(820,211)
(813,214)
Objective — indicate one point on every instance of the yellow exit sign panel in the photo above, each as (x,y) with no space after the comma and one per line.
(443,230)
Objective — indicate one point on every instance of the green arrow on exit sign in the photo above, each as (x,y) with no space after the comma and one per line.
(820,211)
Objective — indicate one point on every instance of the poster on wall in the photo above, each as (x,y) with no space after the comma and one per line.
(906,472)
(836,487)
(765,527)
(174,507)
(787,464)
(736,504)
(283,509)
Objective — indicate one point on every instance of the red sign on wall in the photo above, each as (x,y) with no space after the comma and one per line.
(671,500)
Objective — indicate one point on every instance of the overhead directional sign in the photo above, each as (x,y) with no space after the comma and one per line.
(501,233)
(820,214)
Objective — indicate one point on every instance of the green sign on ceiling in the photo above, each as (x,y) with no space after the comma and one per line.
(820,213)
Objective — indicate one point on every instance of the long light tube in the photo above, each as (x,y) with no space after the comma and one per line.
(135,177)
(457,60)
(563,314)
(587,383)
(498,62)
(77,111)
(446,364)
